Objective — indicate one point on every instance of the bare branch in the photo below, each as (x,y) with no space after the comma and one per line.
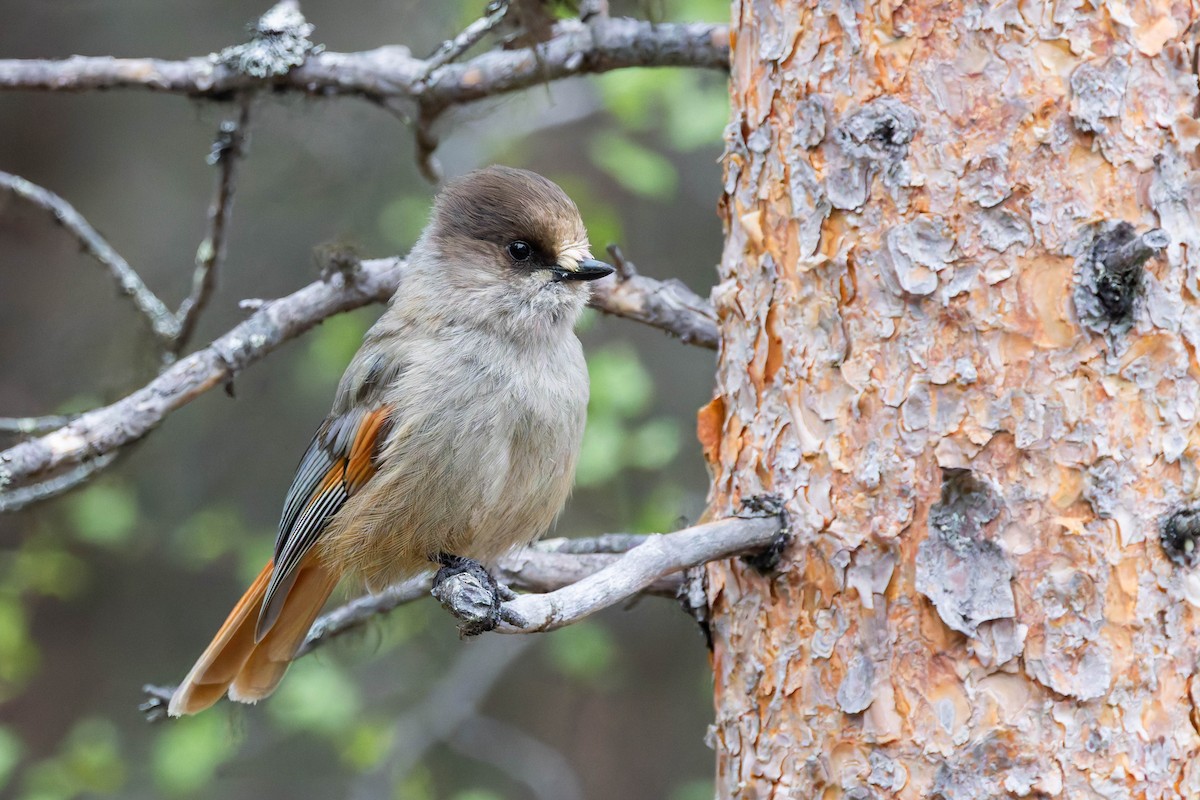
(447,705)
(129,419)
(228,148)
(543,567)
(542,769)
(392,73)
(162,321)
(105,429)
(581,576)
(632,572)
(53,487)
(27,426)
(667,305)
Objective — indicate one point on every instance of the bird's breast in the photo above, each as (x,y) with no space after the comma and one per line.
(481,457)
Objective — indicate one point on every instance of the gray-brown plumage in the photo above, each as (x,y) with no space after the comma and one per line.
(455,429)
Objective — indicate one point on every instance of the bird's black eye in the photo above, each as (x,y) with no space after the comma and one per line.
(520,251)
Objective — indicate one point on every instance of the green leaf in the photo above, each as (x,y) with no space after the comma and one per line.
(620,384)
(638,169)
(366,745)
(416,785)
(316,697)
(209,534)
(18,654)
(104,513)
(189,751)
(477,794)
(697,10)
(333,344)
(48,569)
(253,552)
(401,221)
(583,651)
(699,789)
(696,115)
(654,444)
(10,754)
(630,93)
(600,454)
(92,756)
(661,511)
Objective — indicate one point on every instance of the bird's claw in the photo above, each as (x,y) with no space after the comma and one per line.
(469,592)
(157,699)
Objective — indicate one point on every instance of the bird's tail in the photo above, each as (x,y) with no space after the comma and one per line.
(247,669)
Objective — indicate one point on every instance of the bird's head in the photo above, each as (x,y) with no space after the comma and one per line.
(510,244)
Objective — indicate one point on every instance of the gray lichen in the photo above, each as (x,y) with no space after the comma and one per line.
(279,42)
(965,575)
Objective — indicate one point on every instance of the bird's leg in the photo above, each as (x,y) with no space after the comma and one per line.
(469,592)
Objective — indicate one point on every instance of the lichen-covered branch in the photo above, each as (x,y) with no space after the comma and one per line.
(392,73)
(24,496)
(106,429)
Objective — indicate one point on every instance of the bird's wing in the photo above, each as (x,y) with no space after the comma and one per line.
(340,459)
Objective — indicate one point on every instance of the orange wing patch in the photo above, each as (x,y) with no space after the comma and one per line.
(338,463)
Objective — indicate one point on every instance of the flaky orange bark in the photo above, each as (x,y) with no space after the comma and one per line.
(981,423)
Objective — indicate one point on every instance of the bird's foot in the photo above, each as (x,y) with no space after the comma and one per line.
(157,700)
(469,592)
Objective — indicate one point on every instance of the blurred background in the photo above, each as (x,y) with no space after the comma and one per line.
(122,582)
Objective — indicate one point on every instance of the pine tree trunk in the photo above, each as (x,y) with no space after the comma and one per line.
(958,348)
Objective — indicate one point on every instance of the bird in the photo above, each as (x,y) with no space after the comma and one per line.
(454,432)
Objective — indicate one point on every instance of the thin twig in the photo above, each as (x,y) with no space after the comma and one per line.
(18,499)
(129,419)
(227,150)
(470,36)
(426,142)
(161,320)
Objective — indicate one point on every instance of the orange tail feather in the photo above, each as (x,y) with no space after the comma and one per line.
(251,670)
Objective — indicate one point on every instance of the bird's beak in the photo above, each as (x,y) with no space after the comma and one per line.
(588,270)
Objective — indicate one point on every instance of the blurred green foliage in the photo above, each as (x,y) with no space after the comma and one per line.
(89,762)
(103,513)
(184,520)
(584,652)
(189,751)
